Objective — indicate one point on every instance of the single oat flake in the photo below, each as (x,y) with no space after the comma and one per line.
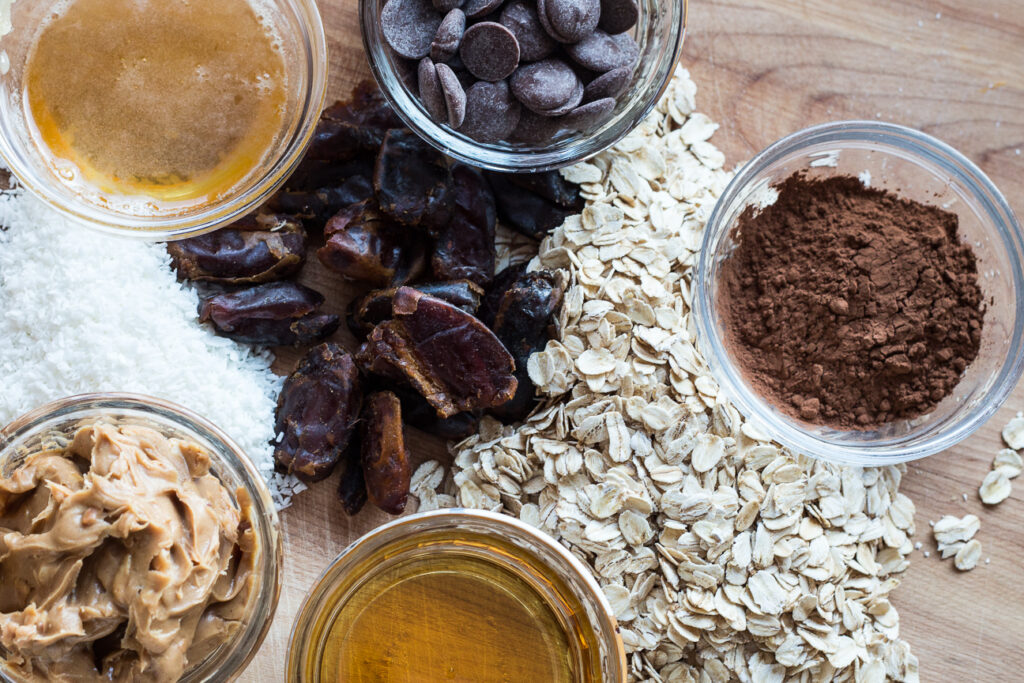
(995,488)
(1013,433)
(724,556)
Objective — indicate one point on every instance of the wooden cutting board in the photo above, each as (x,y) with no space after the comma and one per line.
(766,68)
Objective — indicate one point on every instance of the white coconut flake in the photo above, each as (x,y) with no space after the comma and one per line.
(84,312)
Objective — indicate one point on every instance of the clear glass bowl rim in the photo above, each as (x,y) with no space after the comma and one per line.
(226,210)
(233,661)
(385,534)
(493,159)
(915,144)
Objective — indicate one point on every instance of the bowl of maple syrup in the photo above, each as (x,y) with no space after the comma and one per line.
(159,119)
(456,595)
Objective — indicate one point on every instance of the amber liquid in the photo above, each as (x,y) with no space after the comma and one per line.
(446,618)
(175,100)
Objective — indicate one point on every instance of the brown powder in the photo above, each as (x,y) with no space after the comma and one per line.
(849,306)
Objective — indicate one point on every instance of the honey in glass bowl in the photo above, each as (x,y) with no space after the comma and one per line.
(158,119)
(174,101)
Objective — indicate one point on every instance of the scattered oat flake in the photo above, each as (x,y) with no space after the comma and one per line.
(1013,433)
(1009,462)
(995,488)
(723,556)
(967,557)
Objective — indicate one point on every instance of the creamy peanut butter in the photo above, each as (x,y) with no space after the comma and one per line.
(121,558)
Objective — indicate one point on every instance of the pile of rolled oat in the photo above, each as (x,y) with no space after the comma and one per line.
(724,556)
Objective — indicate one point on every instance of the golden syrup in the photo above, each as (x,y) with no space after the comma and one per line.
(175,100)
(450,617)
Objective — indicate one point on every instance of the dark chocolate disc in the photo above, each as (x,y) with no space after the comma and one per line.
(490,51)
(491,112)
(544,85)
(409,26)
(602,52)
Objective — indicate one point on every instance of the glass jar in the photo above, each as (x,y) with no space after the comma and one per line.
(446,538)
(659,33)
(300,31)
(916,166)
(55,423)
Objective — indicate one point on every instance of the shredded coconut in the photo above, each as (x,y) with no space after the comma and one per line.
(84,312)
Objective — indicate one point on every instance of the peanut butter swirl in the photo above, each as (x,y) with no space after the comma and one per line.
(121,558)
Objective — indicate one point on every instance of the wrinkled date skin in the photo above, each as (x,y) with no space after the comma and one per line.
(273,314)
(363,246)
(352,483)
(491,301)
(317,410)
(337,141)
(344,147)
(412,182)
(524,210)
(551,186)
(369,311)
(253,250)
(521,324)
(446,354)
(316,207)
(315,175)
(366,107)
(464,248)
(421,415)
(347,128)
(386,466)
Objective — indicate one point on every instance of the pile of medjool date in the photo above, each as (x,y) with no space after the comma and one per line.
(442,339)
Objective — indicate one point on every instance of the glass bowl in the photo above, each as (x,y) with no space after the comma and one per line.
(301,34)
(659,34)
(564,584)
(918,167)
(55,422)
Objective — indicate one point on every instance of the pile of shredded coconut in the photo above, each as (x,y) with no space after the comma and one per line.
(724,556)
(84,312)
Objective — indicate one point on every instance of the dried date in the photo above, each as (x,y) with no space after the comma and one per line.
(350,127)
(386,466)
(253,250)
(338,141)
(317,411)
(524,210)
(374,308)
(521,323)
(495,292)
(416,411)
(447,355)
(273,314)
(413,182)
(551,186)
(315,175)
(316,208)
(352,483)
(464,248)
(363,246)
(366,107)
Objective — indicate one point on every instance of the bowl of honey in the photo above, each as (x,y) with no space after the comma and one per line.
(456,595)
(159,119)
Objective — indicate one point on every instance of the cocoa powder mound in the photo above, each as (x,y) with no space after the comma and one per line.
(849,306)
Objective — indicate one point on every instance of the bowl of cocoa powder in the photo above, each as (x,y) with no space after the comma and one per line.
(860,294)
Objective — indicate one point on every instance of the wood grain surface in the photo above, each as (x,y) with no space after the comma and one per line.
(766,68)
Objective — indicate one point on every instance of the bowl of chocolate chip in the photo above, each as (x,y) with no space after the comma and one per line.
(860,294)
(523,85)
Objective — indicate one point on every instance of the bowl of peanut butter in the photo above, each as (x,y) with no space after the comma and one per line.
(137,543)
